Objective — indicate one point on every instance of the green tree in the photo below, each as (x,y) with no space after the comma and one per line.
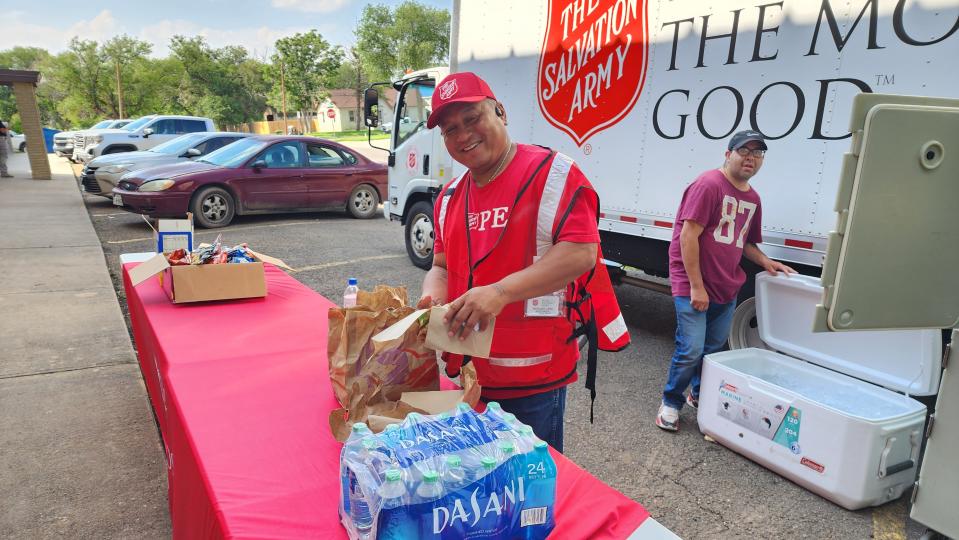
(123,52)
(408,38)
(27,58)
(224,84)
(352,75)
(307,65)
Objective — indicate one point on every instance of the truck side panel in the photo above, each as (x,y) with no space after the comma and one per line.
(789,69)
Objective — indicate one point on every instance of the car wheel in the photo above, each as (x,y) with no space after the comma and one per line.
(363,202)
(213,207)
(419,235)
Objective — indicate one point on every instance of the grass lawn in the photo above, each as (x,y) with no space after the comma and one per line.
(349,135)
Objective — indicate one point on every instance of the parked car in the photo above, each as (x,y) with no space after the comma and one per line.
(83,138)
(102,174)
(141,134)
(257,175)
(18,141)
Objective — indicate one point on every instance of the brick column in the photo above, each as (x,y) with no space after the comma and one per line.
(25,94)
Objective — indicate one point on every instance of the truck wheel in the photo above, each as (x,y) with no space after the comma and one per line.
(744,330)
(419,235)
(363,202)
(213,207)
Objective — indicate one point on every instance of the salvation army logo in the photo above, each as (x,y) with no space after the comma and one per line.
(593,64)
(411,160)
(447,90)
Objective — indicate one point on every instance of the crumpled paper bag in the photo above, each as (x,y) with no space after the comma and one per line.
(384,372)
(379,414)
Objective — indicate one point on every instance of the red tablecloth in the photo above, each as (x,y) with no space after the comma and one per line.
(243,398)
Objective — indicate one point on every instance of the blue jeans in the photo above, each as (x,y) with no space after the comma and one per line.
(543,412)
(698,333)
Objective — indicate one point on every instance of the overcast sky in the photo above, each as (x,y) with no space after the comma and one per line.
(254,24)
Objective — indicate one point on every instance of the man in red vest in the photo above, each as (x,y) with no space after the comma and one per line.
(513,235)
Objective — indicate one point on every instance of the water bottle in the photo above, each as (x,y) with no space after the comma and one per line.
(358,429)
(487,465)
(455,476)
(393,491)
(359,508)
(349,295)
(430,488)
(526,439)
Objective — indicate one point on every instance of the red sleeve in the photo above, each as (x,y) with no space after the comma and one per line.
(438,246)
(580,225)
(700,202)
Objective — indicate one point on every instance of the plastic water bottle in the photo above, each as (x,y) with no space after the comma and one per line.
(430,488)
(455,476)
(359,429)
(359,507)
(526,439)
(393,491)
(349,295)
(487,465)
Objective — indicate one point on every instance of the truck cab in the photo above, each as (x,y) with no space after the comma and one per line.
(419,164)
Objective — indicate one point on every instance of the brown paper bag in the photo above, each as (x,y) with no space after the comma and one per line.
(383,413)
(404,364)
(478,344)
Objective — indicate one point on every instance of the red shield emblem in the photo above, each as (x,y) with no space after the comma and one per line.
(593,64)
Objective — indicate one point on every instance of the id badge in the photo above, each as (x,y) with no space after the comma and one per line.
(550,305)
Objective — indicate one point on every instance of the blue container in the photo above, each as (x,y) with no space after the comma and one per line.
(48,134)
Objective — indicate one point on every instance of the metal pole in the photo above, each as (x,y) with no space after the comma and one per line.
(286,128)
(119,89)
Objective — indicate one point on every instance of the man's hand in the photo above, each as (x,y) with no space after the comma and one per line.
(474,310)
(774,267)
(427,302)
(699,298)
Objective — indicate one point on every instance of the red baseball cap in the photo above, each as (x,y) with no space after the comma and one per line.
(464,87)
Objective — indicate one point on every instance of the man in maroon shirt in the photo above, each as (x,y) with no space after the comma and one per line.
(719,220)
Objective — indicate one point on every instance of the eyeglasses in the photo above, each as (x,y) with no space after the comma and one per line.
(743,151)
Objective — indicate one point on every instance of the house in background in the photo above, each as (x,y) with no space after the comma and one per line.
(342,111)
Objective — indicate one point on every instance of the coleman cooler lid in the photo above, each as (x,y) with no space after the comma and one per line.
(907,361)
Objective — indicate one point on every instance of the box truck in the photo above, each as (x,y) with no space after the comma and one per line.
(644,94)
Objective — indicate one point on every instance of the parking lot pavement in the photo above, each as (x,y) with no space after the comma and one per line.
(696,488)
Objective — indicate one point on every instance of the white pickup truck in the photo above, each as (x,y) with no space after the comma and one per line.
(141,134)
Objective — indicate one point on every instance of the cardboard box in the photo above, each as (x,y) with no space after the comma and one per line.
(173,234)
(206,282)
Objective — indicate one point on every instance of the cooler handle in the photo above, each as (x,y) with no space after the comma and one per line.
(886,470)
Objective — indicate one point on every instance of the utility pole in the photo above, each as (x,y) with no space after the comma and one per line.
(119,87)
(286,128)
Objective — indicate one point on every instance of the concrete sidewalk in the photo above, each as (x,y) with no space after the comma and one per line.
(81,455)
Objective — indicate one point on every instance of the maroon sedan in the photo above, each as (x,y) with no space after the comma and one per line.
(257,175)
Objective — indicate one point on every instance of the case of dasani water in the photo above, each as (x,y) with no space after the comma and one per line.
(449,476)
(829,411)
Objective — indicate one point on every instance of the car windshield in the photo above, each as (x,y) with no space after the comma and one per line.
(102,124)
(137,124)
(177,146)
(235,154)
(119,124)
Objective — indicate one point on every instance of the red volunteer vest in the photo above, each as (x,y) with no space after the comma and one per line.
(531,354)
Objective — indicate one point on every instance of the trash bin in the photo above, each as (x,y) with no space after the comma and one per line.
(48,134)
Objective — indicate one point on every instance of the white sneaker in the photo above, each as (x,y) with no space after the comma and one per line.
(668,418)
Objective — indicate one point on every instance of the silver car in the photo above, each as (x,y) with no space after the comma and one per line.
(102,174)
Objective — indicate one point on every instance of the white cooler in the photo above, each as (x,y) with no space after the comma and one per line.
(826,410)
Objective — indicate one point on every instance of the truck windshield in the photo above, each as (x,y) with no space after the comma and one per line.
(414,110)
(235,155)
(136,124)
(177,146)
(101,124)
